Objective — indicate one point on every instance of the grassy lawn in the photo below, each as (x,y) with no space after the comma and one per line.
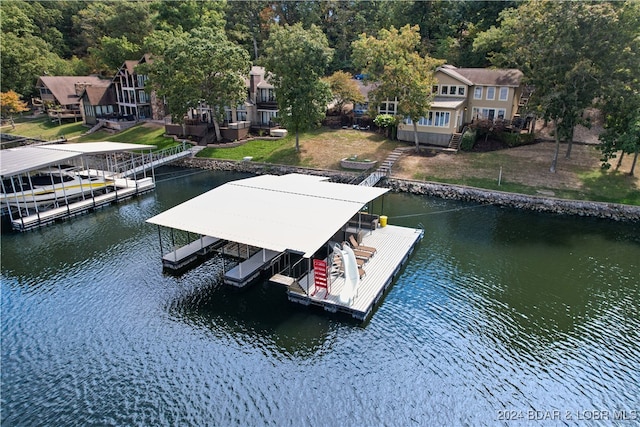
(43,128)
(321,148)
(525,170)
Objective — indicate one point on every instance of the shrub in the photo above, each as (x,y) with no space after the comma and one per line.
(516,139)
(468,140)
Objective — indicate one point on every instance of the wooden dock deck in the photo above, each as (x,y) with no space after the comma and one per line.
(394,246)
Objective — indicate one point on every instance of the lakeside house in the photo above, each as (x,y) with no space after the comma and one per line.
(61,96)
(462,96)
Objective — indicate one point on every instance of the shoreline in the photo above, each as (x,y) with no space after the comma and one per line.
(581,208)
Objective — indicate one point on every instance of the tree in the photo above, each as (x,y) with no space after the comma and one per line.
(189,14)
(620,102)
(11,104)
(112,53)
(194,67)
(344,89)
(401,73)
(564,50)
(297,59)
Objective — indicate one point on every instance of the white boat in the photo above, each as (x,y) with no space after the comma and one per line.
(46,189)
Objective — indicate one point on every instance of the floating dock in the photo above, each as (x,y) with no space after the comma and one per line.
(394,245)
(289,226)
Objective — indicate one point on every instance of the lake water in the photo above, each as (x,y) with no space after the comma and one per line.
(500,316)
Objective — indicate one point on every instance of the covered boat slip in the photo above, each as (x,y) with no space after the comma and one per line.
(291,217)
(42,184)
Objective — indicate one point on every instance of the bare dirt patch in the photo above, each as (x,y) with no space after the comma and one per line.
(526,165)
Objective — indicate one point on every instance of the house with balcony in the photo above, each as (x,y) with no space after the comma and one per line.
(256,113)
(464,96)
(132,101)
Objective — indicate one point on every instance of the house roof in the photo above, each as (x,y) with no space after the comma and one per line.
(487,77)
(294,212)
(491,77)
(65,89)
(448,103)
(99,95)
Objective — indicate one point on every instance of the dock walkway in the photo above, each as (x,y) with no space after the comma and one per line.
(247,270)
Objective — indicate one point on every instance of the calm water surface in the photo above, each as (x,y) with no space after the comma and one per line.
(498,313)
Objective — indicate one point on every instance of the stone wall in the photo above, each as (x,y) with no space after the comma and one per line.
(611,211)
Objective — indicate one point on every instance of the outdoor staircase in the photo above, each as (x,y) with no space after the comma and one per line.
(385,167)
(454,142)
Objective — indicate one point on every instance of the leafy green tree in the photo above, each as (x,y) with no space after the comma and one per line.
(112,53)
(297,59)
(189,14)
(400,72)
(245,25)
(344,89)
(201,65)
(564,51)
(620,102)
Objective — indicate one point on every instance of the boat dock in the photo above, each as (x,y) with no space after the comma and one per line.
(288,226)
(122,190)
(394,245)
(46,183)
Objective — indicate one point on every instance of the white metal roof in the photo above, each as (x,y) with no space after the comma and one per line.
(290,212)
(14,161)
(99,147)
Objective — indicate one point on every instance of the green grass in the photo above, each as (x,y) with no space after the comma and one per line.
(611,186)
(598,187)
(260,149)
(138,134)
(44,128)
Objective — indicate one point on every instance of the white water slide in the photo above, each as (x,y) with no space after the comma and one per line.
(351,275)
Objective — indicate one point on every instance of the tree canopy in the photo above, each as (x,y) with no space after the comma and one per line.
(399,71)
(297,60)
(565,50)
(201,65)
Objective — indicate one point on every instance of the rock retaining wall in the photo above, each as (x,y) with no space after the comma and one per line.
(612,211)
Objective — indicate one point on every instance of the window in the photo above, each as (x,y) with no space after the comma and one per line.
(387,108)
(441,119)
(461,90)
(452,90)
(434,89)
(445,90)
(241,115)
(408,121)
(488,113)
(477,92)
(491,93)
(422,121)
(504,93)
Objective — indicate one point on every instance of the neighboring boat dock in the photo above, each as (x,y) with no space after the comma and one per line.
(292,230)
(46,183)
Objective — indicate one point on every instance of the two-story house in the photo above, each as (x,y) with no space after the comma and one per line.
(462,96)
(61,95)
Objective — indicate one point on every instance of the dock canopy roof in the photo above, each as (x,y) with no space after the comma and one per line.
(15,161)
(294,212)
